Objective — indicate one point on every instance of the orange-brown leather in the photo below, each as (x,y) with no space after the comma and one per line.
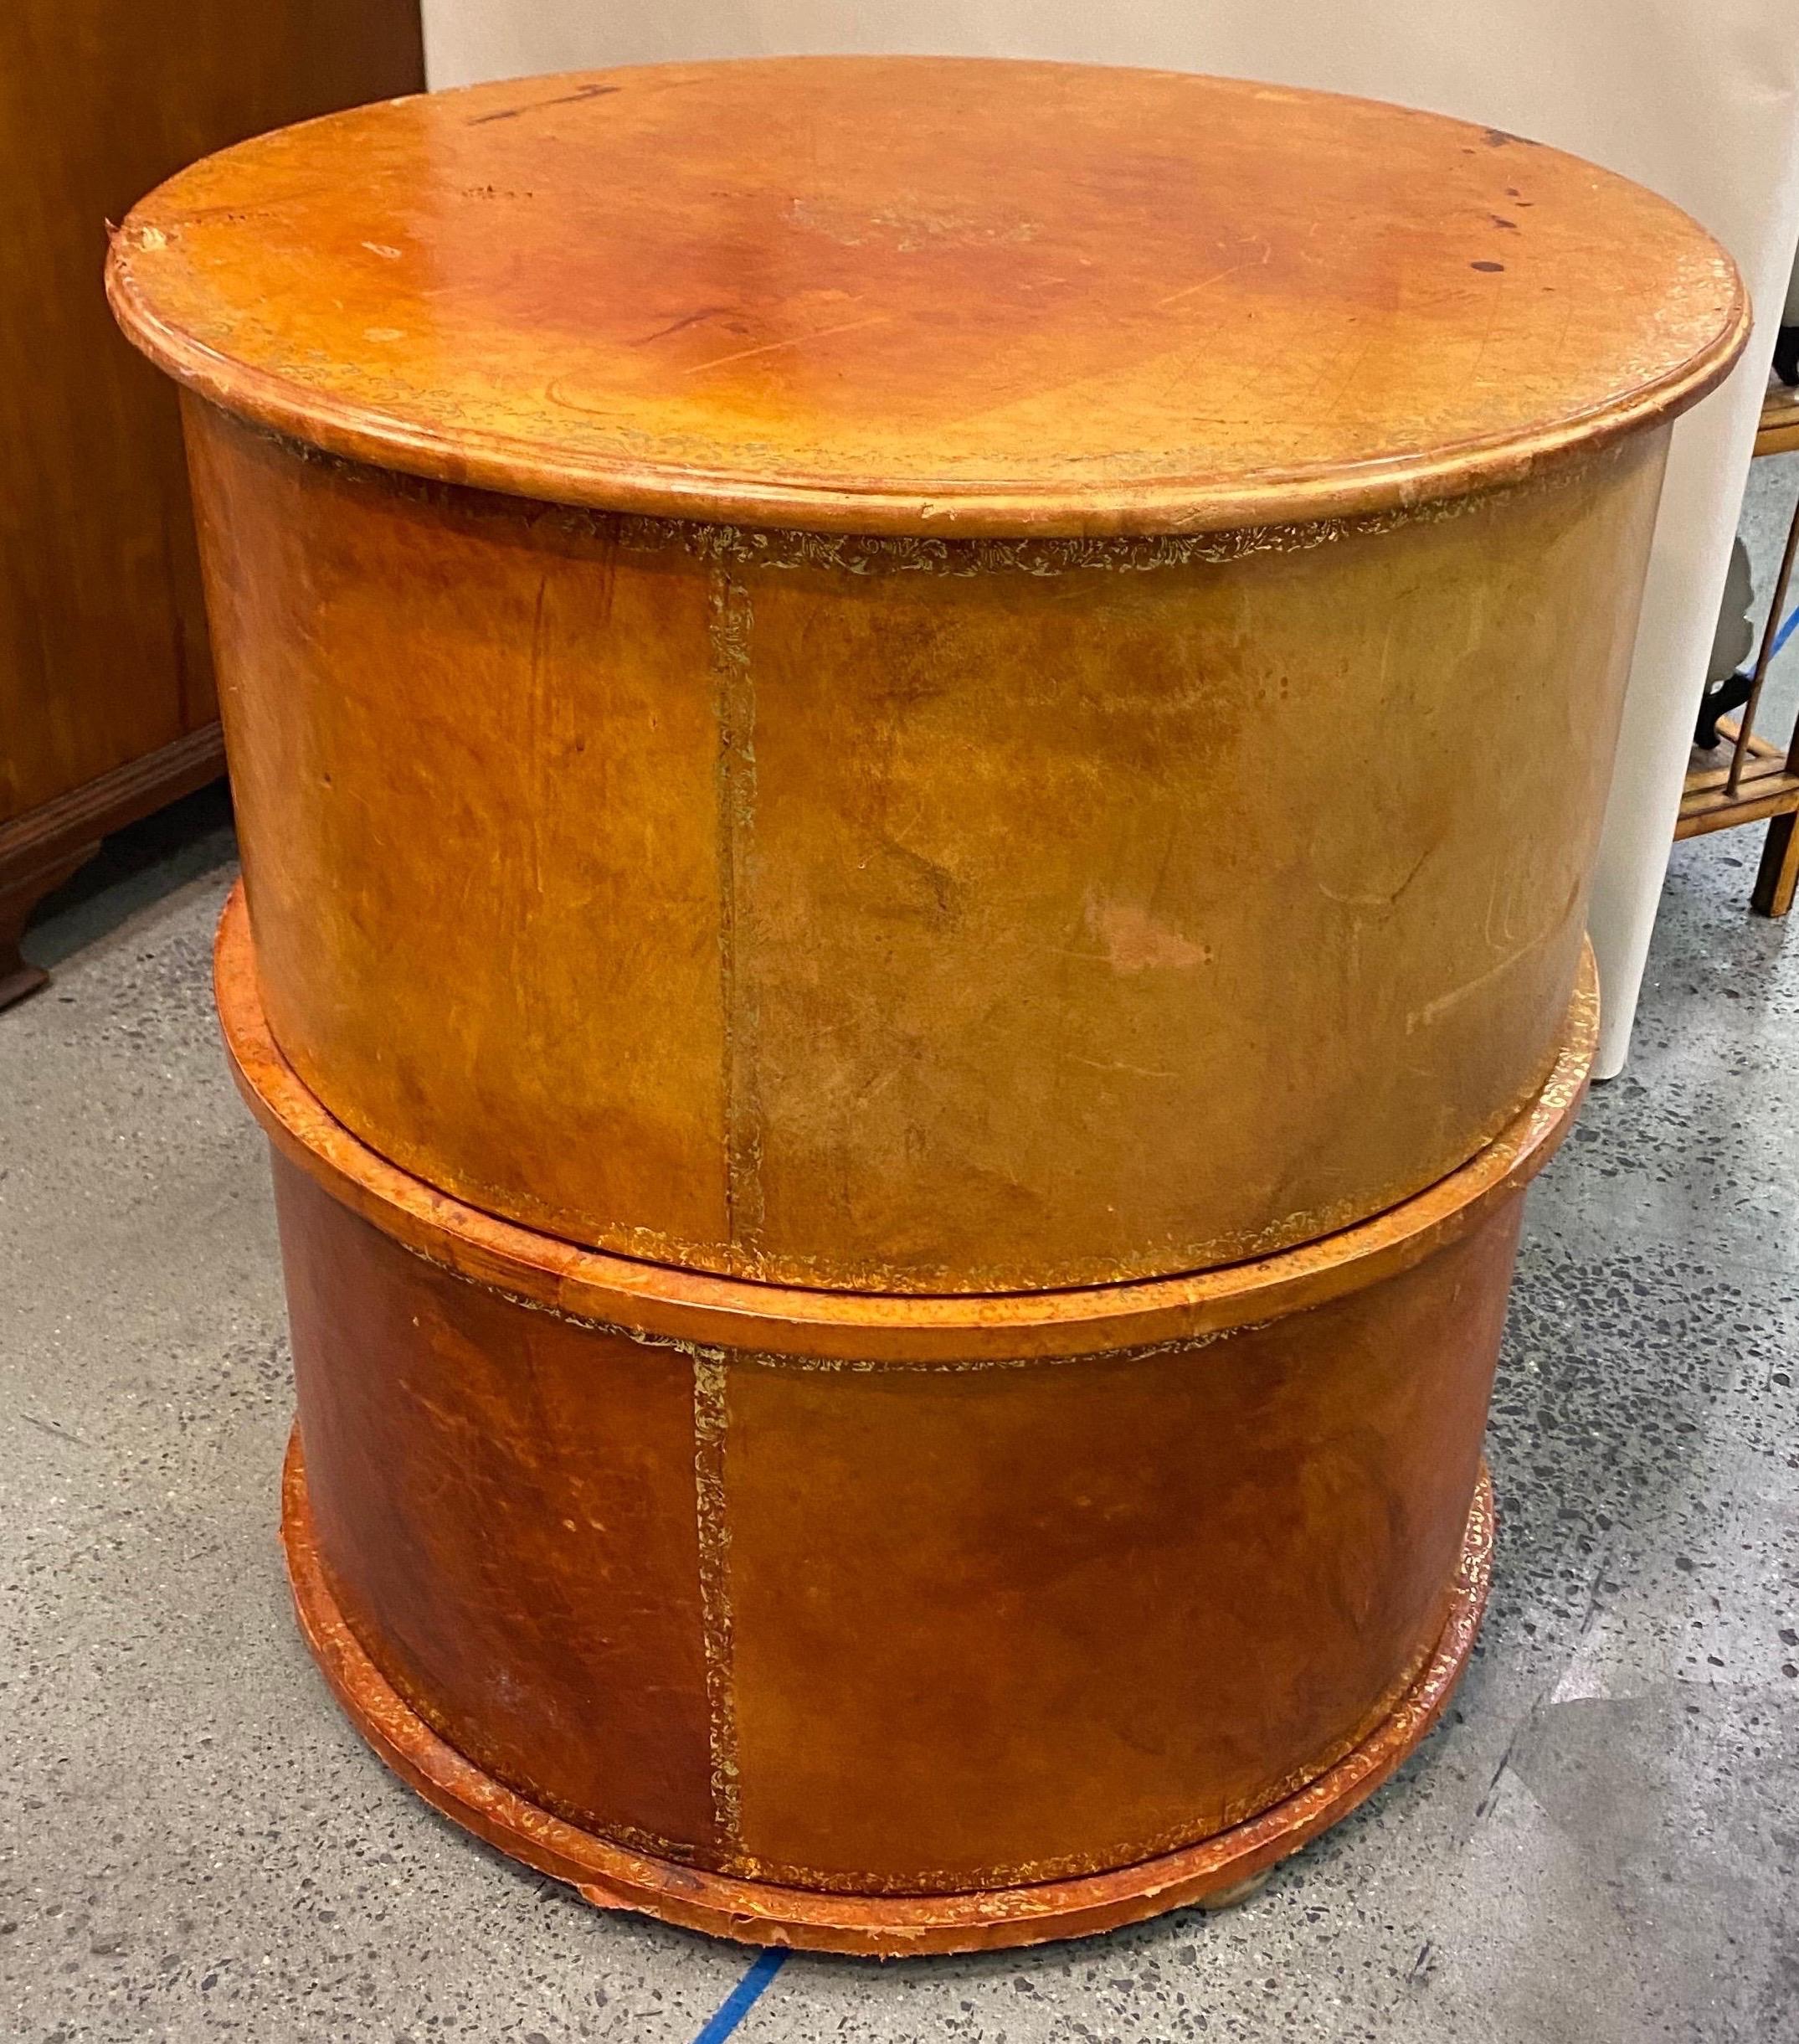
(889,1630)
(910,930)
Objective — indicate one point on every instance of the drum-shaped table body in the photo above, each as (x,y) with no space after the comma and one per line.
(947,718)
(884,1625)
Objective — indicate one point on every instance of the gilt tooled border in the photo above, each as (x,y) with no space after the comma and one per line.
(783,547)
(717,1355)
(869,553)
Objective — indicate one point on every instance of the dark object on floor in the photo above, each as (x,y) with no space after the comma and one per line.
(1787,355)
(1727,682)
(1731,693)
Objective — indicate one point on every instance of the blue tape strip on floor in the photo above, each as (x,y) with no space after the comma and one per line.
(1785,633)
(743,1997)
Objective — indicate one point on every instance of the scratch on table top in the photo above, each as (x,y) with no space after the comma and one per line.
(795,340)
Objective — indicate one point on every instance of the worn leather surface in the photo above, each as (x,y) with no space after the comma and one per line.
(1002,1625)
(504,1502)
(853,924)
(888,1629)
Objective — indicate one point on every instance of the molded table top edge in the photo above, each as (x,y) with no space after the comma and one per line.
(973,504)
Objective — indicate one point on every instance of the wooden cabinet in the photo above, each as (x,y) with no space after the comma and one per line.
(106,701)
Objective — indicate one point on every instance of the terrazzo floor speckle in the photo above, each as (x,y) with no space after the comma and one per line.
(1601,1844)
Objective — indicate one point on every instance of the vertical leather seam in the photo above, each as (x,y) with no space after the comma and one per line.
(709,1389)
(729,619)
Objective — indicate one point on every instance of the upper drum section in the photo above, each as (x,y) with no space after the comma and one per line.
(899,295)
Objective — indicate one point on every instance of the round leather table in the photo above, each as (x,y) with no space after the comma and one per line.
(918,744)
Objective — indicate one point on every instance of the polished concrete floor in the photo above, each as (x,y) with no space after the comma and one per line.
(1601,1845)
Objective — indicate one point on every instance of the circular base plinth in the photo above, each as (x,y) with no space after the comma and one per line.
(614,1878)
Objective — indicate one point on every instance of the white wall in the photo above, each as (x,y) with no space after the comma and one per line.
(1697,98)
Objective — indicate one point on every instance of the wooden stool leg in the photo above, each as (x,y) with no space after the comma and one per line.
(17,977)
(20,893)
(1780,868)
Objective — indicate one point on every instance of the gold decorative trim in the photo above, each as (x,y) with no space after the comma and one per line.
(715,1356)
(715,1594)
(856,553)
(869,553)
(728,622)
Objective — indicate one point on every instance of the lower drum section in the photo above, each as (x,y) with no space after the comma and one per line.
(612,1877)
(874,1624)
